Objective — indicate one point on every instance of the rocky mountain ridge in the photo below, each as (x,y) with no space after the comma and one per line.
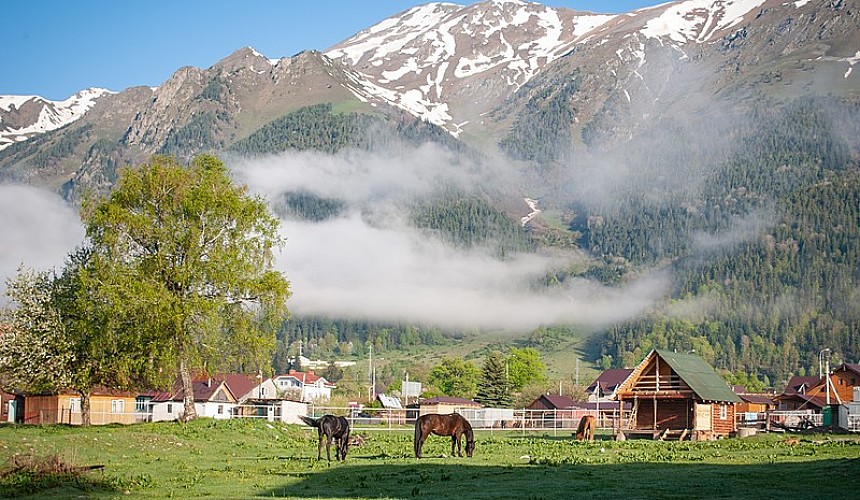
(479,71)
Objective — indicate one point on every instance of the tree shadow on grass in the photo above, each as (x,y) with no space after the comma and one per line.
(839,478)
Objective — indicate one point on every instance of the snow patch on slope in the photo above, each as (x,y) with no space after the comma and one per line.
(53,115)
(698,20)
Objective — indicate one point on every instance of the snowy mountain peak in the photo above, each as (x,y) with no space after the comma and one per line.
(22,117)
(435,49)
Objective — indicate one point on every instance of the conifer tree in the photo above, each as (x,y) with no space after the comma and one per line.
(493,388)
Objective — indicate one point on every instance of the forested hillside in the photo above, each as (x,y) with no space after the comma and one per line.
(761,230)
(768,249)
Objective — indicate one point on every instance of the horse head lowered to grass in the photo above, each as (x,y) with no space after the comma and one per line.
(454,425)
(333,428)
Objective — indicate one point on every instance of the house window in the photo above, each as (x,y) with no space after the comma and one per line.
(170,408)
(117,406)
(74,405)
(264,392)
(724,412)
(220,409)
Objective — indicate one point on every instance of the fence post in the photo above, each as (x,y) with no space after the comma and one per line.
(524,422)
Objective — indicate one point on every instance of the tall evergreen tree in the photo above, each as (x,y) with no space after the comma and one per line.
(493,388)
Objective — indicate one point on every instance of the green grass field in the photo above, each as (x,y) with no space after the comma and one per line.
(256,459)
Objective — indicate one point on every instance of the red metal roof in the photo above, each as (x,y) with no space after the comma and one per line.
(610,379)
(799,385)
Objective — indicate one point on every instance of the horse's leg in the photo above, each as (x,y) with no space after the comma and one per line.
(328,447)
(419,443)
(416,440)
(319,446)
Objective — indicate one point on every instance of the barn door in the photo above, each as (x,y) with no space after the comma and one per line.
(703,417)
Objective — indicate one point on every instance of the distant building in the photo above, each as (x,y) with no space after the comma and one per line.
(308,385)
(445,404)
(212,398)
(604,386)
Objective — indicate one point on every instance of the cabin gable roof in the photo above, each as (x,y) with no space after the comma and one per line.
(693,374)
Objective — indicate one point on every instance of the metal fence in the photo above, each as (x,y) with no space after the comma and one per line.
(777,420)
(491,419)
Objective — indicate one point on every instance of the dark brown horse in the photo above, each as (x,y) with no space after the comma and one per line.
(454,425)
(585,431)
(333,428)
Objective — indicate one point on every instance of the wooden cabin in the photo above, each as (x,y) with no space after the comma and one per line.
(678,395)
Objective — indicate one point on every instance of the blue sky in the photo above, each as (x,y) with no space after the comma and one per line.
(54,48)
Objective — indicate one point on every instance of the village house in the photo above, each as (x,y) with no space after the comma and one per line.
(212,398)
(606,384)
(250,387)
(794,396)
(307,385)
(832,397)
(678,395)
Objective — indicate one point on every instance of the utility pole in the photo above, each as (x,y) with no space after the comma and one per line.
(372,392)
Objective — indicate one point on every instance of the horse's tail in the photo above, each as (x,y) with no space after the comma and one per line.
(313,422)
(417,440)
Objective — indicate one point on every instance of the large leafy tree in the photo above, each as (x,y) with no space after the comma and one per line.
(493,388)
(189,255)
(525,366)
(455,377)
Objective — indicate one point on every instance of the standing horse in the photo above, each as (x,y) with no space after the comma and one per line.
(585,431)
(332,427)
(453,424)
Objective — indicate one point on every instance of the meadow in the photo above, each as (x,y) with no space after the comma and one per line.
(257,459)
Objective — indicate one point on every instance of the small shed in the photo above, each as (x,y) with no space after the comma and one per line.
(678,395)
(106,407)
(445,404)
(552,410)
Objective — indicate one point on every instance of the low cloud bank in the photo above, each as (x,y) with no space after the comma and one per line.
(369,263)
(39,230)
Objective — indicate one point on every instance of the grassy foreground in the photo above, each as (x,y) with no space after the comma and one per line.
(251,459)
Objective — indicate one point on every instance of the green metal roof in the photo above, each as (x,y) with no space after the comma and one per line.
(699,375)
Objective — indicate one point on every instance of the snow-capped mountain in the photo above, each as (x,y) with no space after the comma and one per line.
(432,60)
(481,72)
(22,117)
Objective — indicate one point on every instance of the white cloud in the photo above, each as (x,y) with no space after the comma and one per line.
(380,268)
(38,230)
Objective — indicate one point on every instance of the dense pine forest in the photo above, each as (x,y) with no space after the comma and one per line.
(784,288)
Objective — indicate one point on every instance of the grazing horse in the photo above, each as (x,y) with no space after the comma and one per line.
(585,431)
(332,427)
(453,424)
